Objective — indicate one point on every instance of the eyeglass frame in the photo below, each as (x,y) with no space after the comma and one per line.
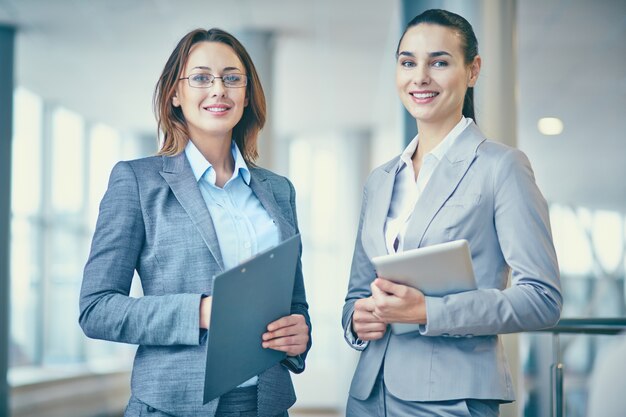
(213,77)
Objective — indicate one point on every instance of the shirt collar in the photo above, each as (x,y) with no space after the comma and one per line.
(440,150)
(200,166)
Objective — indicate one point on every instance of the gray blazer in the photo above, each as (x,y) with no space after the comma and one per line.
(154,220)
(484,192)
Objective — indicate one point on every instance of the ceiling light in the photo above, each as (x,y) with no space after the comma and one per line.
(550,126)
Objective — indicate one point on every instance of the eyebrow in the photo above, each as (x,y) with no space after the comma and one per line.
(430,54)
(209,68)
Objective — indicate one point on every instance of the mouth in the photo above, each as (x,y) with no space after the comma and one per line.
(424,95)
(217,108)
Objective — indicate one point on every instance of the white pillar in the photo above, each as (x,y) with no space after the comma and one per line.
(260,45)
(496,111)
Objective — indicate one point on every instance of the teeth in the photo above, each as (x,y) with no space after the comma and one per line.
(424,95)
(217,109)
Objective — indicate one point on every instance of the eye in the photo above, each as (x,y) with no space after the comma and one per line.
(201,78)
(407,64)
(439,64)
(232,78)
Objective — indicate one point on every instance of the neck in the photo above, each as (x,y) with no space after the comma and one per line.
(217,152)
(432,134)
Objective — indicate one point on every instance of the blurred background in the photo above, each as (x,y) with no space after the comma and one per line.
(76,84)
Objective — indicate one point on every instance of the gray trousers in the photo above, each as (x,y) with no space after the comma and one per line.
(383,404)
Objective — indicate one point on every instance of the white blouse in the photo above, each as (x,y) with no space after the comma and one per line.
(407,190)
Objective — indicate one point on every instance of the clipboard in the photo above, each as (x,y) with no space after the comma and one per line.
(245,300)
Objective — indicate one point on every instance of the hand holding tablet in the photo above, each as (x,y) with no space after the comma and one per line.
(435,270)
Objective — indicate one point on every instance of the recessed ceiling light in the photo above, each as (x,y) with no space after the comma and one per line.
(550,126)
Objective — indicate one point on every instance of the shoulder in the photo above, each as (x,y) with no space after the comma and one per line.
(140,169)
(140,164)
(500,155)
(509,168)
(278,182)
(388,167)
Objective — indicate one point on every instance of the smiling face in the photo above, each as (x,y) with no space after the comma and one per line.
(211,112)
(432,75)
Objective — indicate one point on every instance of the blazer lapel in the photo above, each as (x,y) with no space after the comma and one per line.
(262,188)
(445,179)
(378,208)
(179,176)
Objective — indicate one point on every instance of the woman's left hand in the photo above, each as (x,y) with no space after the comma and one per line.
(288,334)
(397,303)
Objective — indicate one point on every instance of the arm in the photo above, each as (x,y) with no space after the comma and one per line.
(106,310)
(358,321)
(533,300)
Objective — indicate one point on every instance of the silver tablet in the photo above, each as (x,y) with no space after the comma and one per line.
(435,270)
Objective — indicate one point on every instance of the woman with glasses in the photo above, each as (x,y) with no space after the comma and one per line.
(198,208)
(449,183)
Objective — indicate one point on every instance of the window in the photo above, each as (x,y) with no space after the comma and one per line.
(61,166)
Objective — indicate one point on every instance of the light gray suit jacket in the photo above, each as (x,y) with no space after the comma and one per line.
(484,192)
(154,220)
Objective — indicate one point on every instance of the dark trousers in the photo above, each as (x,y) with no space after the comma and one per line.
(240,402)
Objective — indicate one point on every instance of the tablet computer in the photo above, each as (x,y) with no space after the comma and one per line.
(435,270)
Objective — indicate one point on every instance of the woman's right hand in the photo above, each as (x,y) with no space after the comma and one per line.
(205,312)
(364,323)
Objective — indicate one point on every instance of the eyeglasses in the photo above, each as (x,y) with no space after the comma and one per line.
(205,80)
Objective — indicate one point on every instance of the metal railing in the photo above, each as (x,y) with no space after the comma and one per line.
(597,326)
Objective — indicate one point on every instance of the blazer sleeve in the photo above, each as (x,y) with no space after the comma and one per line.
(533,301)
(299,304)
(362,273)
(106,310)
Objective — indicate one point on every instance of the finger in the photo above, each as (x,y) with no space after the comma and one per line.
(366,304)
(294,350)
(370,327)
(390,288)
(377,292)
(364,317)
(285,321)
(370,336)
(299,328)
(281,343)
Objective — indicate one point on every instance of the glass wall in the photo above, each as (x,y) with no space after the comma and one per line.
(61,165)
(590,247)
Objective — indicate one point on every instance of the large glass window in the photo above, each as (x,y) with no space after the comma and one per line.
(26,207)
(590,246)
(61,166)
(324,169)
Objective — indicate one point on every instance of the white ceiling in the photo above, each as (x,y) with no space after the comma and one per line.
(572,65)
(333,70)
(103,57)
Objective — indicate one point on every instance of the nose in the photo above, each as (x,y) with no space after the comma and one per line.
(217,88)
(422,75)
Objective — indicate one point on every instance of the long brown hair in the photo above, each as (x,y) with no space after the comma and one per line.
(171,121)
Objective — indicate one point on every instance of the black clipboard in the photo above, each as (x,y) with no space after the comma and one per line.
(245,300)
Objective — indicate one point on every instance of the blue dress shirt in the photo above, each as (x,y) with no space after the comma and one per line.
(242,225)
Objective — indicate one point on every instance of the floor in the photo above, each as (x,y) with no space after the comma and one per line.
(314,413)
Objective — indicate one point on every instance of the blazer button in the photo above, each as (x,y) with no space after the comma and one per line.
(151,409)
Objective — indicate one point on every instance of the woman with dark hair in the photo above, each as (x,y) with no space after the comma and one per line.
(449,183)
(199,207)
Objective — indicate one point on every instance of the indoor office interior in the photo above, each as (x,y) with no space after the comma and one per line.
(76,85)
